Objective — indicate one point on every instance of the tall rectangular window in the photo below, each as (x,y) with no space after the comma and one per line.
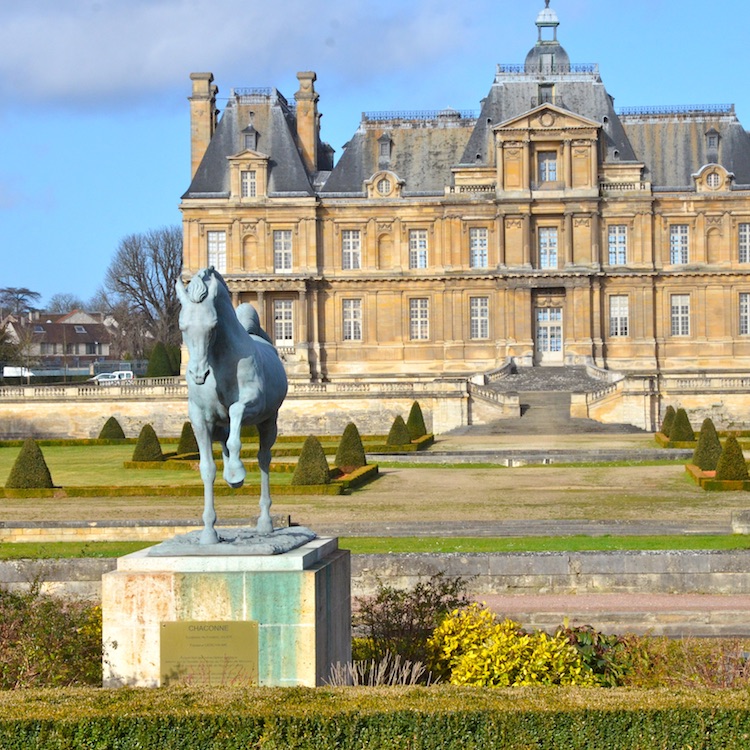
(547,163)
(744,243)
(547,247)
(282,250)
(351,250)
(744,314)
(352,319)
(217,250)
(618,315)
(417,248)
(680,314)
(479,314)
(678,244)
(419,319)
(248,184)
(478,247)
(283,322)
(618,245)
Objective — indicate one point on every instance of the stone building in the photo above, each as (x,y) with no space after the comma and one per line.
(548,228)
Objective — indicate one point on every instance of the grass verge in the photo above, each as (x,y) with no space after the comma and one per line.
(402,545)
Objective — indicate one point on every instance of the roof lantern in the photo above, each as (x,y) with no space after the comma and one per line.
(547,19)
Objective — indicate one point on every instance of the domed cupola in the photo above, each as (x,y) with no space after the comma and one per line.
(547,56)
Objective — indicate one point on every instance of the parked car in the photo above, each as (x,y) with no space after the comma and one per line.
(110,378)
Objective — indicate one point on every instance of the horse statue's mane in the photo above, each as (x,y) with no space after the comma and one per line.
(197,288)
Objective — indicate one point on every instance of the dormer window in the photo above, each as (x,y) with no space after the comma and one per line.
(79,329)
(384,146)
(250,138)
(546,93)
(38,329)
(712,140)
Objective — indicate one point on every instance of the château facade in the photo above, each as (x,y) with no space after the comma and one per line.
(548,228)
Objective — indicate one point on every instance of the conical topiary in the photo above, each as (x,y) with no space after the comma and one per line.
(707,452)
(188,443)
(312,467)
(159,365)
(731,464)
(682,430)
(415,422)
(399,434)
(148,448)
(30,471)
(350,454)
(668,421)
(112,430)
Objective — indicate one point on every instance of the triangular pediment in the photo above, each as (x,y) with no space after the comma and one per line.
(248,153)
(547,117)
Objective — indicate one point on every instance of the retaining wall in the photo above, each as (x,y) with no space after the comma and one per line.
(683,572)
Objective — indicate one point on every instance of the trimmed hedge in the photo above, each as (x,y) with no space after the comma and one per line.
(681,430)
(731,465)
(30,470)
(112,430)
(415,422)
(312,467)
(188,443)
(334,488)
(147,448)
(399,434)
(668,421)
(708,450)
(350,454)
(394,718)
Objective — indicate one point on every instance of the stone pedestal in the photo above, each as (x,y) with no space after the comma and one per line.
(301,601)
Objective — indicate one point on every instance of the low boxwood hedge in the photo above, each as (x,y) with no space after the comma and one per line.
(398,718)
(334,488)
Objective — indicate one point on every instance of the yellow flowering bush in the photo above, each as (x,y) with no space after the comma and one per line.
(472,647)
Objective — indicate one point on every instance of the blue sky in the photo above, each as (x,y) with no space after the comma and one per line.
(93,93)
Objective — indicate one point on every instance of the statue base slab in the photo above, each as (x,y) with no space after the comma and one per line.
(301,601)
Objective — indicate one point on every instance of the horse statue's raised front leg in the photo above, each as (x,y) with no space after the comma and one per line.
(234,470)
(203,437)
(267,437)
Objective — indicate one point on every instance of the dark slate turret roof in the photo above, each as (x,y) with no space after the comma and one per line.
(273,121)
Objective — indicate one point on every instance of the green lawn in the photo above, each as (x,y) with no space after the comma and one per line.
(395,545)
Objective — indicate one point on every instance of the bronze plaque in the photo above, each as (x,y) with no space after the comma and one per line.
(209,653)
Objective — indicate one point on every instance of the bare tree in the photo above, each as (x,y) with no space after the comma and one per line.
(142,277)
(63,302)
(17,300)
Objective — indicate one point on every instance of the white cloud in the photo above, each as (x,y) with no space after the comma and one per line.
(85,53)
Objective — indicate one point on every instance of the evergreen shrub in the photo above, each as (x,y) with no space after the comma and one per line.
(30,470)
(731,464)
(148,447)
(350,454)
(159,365)
(474,648)
(415,422)
(399,434)
(312,466)
(400,621)
(708,450)
(666,424)
(112,430)
(682,430)
(188,443)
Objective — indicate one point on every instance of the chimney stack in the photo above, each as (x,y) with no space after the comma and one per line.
(203,114)
(308,120)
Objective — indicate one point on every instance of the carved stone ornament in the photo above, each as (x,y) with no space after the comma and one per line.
(547,120)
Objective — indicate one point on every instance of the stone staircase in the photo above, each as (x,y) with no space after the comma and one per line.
(544,394)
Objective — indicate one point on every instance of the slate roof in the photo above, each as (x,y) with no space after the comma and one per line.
(274,122)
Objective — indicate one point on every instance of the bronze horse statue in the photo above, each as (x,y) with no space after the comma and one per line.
(234,377)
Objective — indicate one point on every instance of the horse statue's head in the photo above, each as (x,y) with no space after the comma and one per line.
(198,318)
